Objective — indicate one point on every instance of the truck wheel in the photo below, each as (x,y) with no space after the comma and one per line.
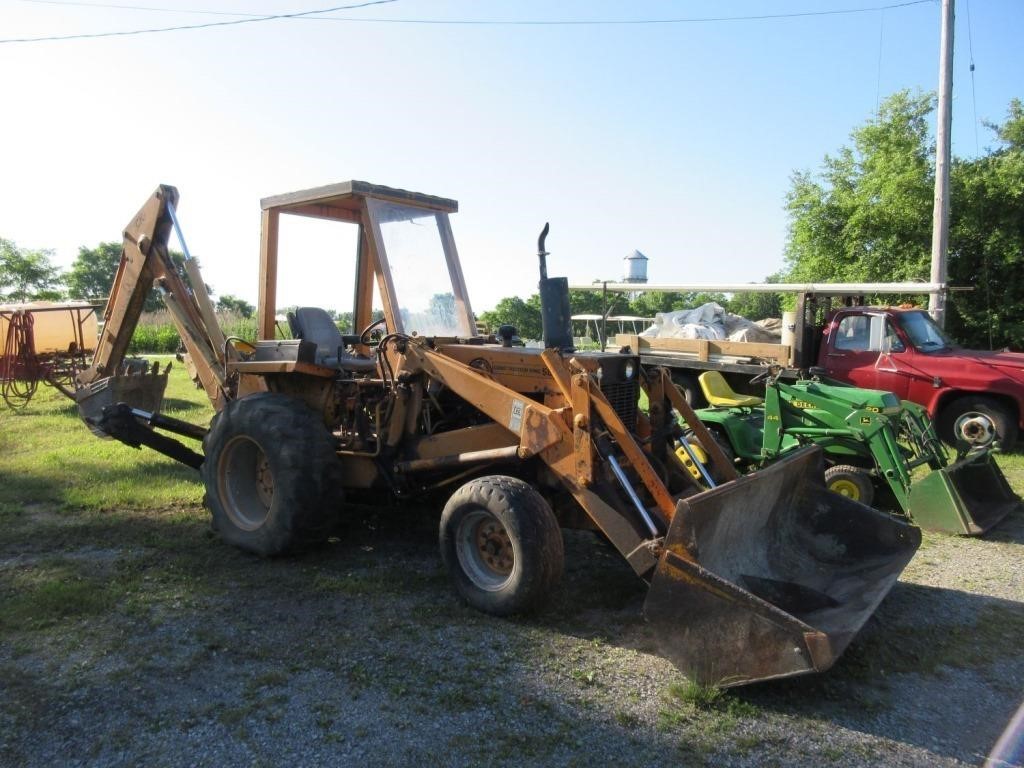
(502,545)
(977,420)
(851,482)
(272,477)
(690,389)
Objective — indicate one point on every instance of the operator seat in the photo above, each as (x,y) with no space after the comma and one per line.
(315,325)
(721,395)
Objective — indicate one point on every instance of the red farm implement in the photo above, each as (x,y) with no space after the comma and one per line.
(43,342)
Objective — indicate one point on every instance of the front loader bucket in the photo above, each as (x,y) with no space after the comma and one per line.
(140,388)
(967,497)
(770,575)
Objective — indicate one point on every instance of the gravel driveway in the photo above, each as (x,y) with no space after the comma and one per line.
(138,638)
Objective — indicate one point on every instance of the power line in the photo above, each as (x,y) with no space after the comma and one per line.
(974,95)
(249,20)
(122,7)
(878,80)
(316,16)
(626,22)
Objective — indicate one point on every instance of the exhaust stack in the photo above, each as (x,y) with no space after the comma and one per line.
(554,303)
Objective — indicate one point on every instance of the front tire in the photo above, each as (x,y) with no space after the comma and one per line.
(502,545)
(976,420)
(272,477)
(852,482)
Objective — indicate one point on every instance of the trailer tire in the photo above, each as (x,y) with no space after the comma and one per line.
(956,419)
(272,478)
(502,545)
(852,482)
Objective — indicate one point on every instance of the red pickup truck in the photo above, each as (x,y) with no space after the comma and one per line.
(970,394)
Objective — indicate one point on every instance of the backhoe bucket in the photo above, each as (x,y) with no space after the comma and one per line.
(967,497)
(141,388)
(771,575)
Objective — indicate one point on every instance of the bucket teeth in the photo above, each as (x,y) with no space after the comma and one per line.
(137,383)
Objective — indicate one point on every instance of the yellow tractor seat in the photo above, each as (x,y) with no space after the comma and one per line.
(721,395)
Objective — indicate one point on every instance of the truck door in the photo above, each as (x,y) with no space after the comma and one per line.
(860,349)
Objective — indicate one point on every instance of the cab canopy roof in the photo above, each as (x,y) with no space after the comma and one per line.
(341,200)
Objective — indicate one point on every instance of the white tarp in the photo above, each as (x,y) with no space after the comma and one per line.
(709,321)
(705,322)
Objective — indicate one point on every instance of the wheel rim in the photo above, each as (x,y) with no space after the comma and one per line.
(245,483)
(485,550)
(974,428)
(847,487)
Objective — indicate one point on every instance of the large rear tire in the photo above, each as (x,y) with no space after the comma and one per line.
(977,420)
(502,545)
(272,477)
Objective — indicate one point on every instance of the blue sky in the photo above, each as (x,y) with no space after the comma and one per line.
(677,139)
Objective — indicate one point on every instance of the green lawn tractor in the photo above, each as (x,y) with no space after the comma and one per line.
(873,443)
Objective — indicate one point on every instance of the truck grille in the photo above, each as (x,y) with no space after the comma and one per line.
(623,396)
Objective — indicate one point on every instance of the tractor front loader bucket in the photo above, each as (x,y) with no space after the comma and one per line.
(967,497)
(770,575)
(139,387)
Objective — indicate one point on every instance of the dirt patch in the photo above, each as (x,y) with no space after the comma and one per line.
(187,652)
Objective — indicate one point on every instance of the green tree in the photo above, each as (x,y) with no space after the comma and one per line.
(867,215)
(594,303)
(986,241)
(27,275)
(229,303)
(92,272)
(512,310)
(651,303)
(758,306)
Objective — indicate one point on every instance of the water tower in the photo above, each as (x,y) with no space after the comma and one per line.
(636,268)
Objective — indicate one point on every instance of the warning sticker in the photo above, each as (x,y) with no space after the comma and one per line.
(515,419)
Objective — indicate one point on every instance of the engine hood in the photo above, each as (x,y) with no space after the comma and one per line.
(974,366)
(1001,359)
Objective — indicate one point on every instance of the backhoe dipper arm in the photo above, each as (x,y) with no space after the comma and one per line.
(145,238)
(145,263)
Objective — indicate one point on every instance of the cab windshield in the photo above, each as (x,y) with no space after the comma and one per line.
(924,333)
(421,270)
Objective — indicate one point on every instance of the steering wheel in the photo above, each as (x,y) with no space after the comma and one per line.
(770,373)
(364,336)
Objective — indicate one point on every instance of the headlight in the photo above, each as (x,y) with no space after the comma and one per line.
(629,370)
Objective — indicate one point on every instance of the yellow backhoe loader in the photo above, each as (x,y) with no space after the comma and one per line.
(764,576)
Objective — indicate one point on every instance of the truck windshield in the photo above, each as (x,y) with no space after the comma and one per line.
(924,334)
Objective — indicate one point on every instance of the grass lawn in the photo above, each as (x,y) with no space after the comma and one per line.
(46,440)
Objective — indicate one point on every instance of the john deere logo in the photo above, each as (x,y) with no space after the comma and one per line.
(865,419)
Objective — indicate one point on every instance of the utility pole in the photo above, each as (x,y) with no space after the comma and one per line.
(944,123)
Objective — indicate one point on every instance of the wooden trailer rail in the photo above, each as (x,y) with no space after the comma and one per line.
(706,350)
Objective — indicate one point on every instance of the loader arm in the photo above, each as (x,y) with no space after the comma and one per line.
(787,407)
(562,439)
(146,263)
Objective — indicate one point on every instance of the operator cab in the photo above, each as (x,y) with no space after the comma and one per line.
(407,271)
